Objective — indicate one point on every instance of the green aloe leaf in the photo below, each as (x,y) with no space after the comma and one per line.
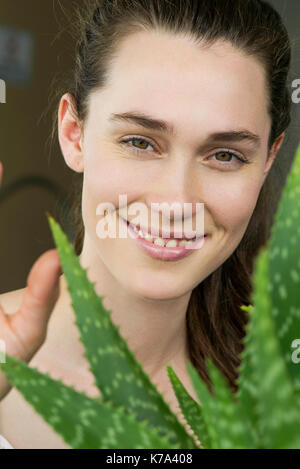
(119,376)
(82,422)
(284,268)
(271,389)
(247,394)
(190,408)
(207,407)
(220,411)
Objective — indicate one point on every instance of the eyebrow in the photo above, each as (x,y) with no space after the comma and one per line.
(148,122)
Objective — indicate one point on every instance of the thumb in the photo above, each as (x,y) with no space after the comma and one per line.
(42,291)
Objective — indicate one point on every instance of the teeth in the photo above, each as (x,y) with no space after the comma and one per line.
(184,242)
(171,243)
(159,242)
(148,238)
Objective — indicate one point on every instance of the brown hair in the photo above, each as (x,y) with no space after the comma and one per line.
(215,322)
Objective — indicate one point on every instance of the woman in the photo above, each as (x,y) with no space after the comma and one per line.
(171,101)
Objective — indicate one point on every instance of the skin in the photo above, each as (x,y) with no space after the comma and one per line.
(198,91)
(219,89)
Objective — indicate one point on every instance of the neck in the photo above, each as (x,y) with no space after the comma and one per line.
(155,329)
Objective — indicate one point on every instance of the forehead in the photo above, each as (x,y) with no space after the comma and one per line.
(186,83)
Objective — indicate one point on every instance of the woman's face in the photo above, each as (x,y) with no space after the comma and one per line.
(199,92)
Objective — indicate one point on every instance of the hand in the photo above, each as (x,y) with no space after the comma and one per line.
(24,332)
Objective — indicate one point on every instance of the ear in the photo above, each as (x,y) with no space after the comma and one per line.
(272,154)
(70,133)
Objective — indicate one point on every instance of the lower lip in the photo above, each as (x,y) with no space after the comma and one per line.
(164,253)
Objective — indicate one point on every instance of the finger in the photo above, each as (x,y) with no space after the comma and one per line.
(1,171)
(42,291)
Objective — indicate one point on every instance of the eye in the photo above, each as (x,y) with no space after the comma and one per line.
(142,142)
(225,162)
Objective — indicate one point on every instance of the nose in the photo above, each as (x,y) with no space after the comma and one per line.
(174,195)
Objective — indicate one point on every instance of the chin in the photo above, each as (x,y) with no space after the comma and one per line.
(155,287)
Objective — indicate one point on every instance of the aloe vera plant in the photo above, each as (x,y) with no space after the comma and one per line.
(131,412)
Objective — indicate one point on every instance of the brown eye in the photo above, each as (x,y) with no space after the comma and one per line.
(225,154)
(141,143)
(226,161)
(141,146)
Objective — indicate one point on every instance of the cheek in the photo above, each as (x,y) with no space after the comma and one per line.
(105,179)
(102,179)
(233,204)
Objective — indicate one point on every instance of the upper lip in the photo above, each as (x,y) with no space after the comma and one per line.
(164,233)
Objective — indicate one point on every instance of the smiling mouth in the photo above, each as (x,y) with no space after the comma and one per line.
(163,242)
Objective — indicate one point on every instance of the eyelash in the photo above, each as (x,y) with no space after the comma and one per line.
(242,160)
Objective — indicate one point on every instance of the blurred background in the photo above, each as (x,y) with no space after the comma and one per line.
(35,50)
